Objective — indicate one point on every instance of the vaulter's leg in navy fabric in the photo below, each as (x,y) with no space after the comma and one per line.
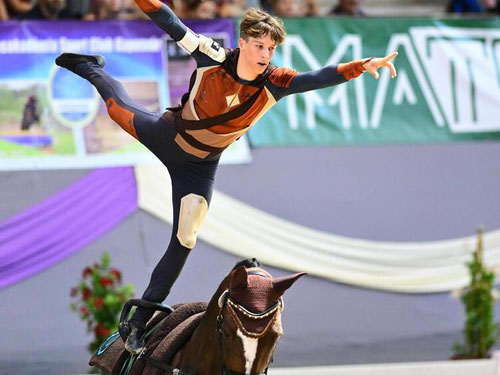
(192,180)
(121,108)
(191,197)
(192,186)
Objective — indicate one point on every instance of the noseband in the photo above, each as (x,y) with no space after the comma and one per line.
(224,299)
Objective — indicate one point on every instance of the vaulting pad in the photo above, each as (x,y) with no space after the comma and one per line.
(242,230)
(62,224)
(166,334)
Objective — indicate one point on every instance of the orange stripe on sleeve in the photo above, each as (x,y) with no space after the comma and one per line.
(149,6)
(352,69)
(121,116)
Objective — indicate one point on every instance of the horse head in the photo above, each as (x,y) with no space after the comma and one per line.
(236,334)
(249,319)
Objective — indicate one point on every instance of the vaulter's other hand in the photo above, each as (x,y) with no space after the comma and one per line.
(372,65)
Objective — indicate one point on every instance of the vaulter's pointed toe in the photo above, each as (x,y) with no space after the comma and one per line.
(71,60)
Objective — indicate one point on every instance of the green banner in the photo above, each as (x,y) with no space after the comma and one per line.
(447,88)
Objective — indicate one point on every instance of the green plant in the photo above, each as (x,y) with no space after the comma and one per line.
(98,299)
(480,330)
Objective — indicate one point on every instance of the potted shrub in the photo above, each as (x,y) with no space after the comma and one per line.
(98,299)
(480,331)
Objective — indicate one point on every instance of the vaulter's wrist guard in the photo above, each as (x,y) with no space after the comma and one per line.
(352,69)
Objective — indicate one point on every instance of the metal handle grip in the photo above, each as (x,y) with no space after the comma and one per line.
(123,327)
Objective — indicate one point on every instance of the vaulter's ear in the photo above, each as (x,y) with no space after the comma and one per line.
(241,43)
(281,284)
(239,279)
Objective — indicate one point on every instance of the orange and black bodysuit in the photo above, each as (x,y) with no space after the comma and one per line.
(218,109)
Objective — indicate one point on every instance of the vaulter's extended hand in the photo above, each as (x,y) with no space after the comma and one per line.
(372,65)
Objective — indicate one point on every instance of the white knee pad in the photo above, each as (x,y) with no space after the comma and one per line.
(192,213)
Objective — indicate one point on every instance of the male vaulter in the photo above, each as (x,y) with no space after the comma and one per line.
(229,91)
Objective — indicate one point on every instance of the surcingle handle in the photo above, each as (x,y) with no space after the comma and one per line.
(123,327)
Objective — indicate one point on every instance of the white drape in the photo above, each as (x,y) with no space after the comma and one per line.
(242,230)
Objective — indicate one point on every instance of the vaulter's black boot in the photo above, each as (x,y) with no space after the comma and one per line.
(71,60)
(135,342)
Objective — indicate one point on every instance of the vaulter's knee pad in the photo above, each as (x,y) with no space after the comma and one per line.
(193,210)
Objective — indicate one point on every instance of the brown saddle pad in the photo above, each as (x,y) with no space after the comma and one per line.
(165,351)
(111,356)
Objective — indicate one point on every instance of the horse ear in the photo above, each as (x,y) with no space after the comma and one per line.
(281,284)
(239,279)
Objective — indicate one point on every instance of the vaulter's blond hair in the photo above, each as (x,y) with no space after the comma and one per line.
(257,24)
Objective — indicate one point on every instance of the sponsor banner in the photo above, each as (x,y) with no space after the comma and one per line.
(447,88)
(51,118)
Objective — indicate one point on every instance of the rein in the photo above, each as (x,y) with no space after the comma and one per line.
(224,299)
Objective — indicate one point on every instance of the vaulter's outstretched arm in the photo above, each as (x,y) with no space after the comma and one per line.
(335,74)
(201,48)
(164,17)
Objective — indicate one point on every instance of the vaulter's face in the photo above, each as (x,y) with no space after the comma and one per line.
(257,53)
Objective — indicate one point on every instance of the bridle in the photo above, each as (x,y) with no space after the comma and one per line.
(225,299)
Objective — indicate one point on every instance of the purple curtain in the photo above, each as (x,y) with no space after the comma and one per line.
(55,228)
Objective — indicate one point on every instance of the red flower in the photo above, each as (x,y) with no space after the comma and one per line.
(99,303)
(86,272)
(84,311)
(101,330)
(106,281)
(116,274)
(86,293)
(96,265)
(74,292)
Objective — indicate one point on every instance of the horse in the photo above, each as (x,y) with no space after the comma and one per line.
(245,315)
(237,333)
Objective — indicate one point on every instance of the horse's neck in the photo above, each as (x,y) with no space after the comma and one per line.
(209,320)
(203,339)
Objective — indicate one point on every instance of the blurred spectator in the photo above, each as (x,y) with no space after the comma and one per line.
(132,11)
(4,16)
(48,10)
(494,7)
(15,8)
(105,10)
(464,6)
(201,9)
(287,8)
(474,6)
(311,8)
(265,5)
(78,8)
(232,8)
(348,8)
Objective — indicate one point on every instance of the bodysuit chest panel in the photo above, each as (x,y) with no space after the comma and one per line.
(218,92)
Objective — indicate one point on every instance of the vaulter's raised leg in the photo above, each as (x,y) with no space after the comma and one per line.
(121,108)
